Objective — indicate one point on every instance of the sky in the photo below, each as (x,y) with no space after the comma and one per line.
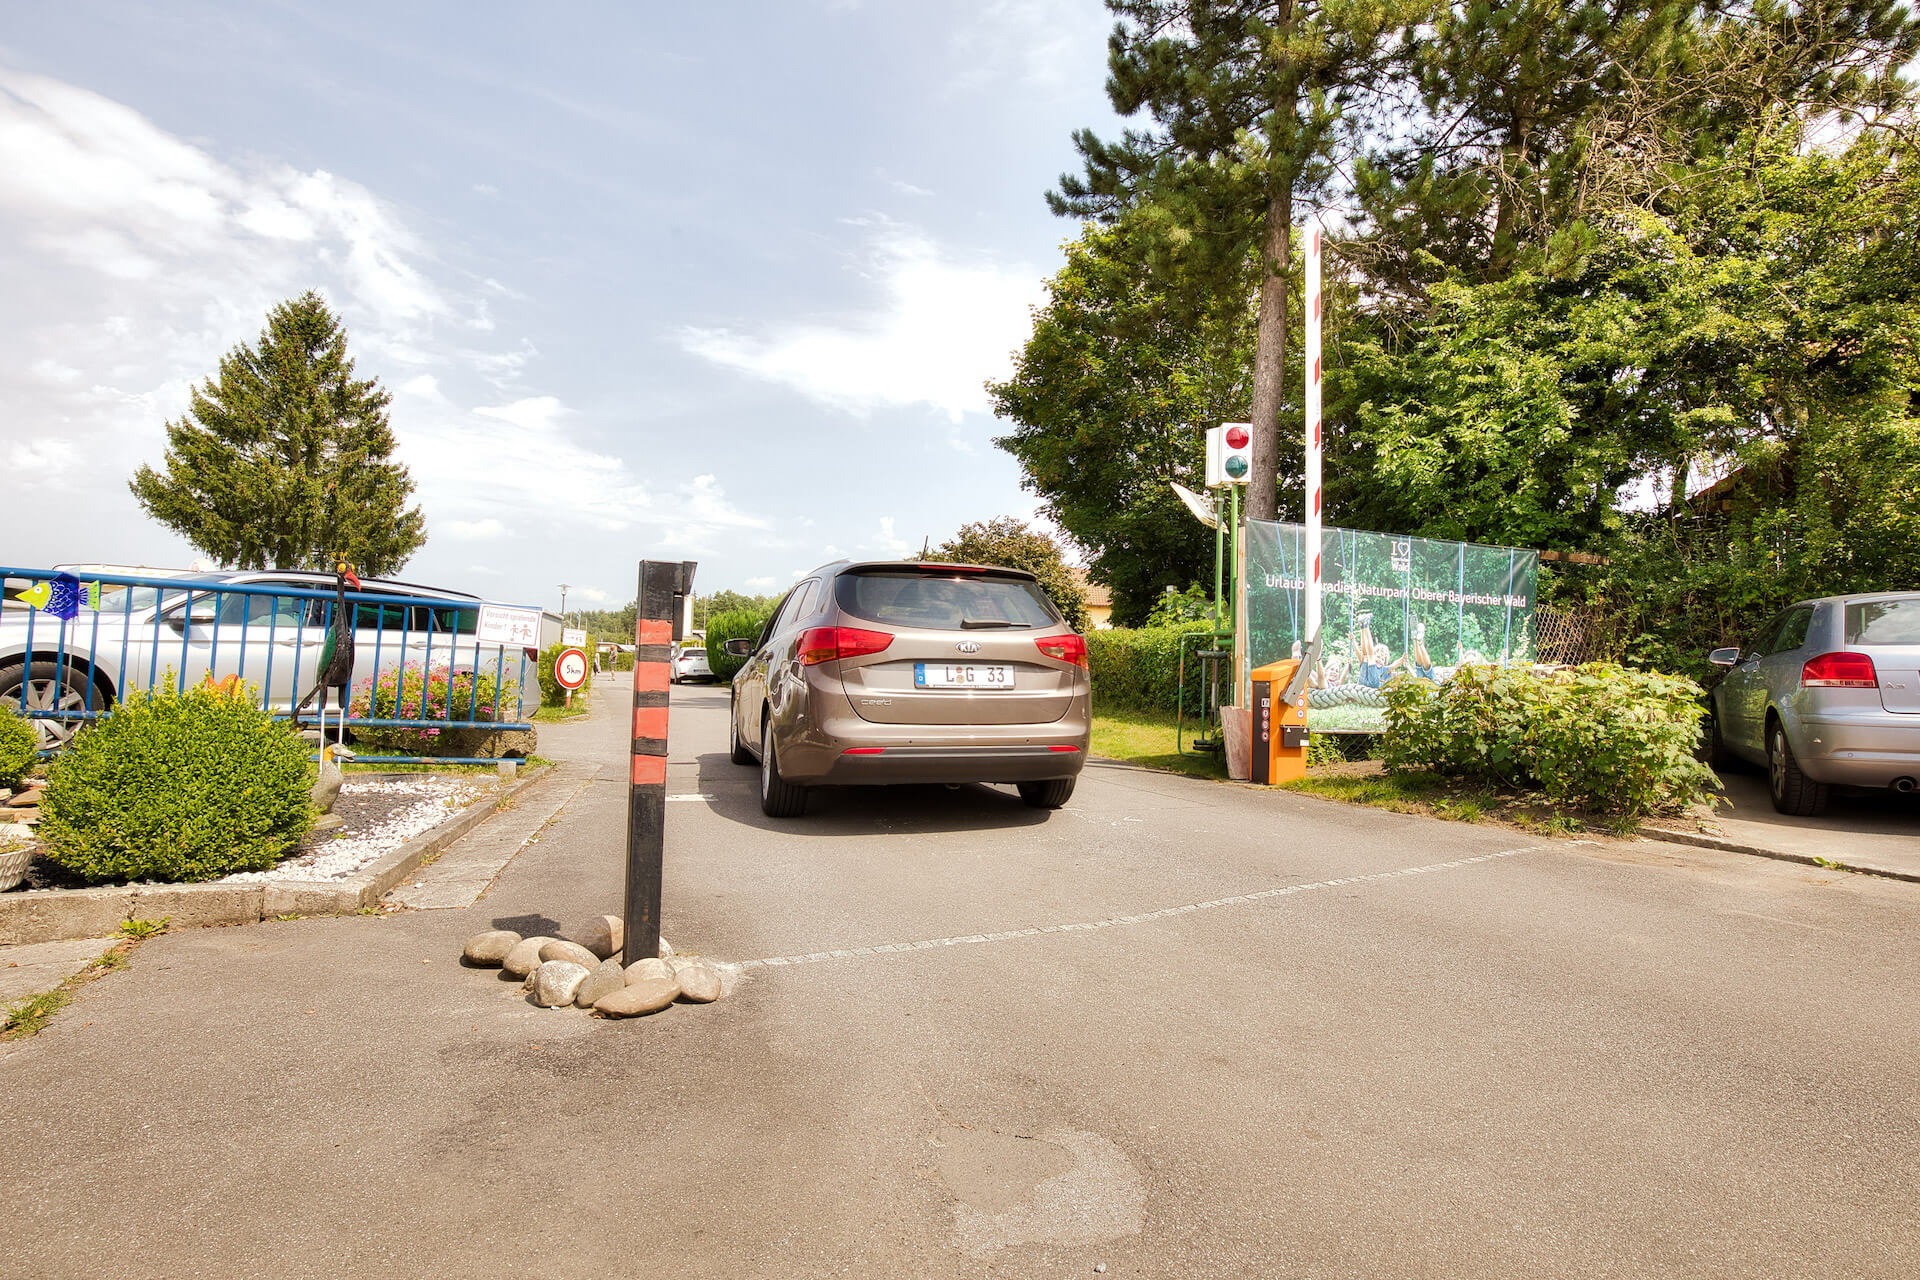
(709,281)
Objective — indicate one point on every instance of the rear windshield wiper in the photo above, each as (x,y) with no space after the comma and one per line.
(989,624)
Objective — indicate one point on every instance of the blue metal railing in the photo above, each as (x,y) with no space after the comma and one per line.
(91,666)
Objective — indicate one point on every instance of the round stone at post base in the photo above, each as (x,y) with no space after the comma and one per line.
(602,935)
(561,949)
(490,948)
(647,970)
(603,981)
(699,982)
(525,956)
(555,982)
(649,995)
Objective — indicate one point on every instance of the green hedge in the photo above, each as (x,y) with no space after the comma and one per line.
(177,786)
(1138,668)
(1600,737)
(733,624)
(19,746)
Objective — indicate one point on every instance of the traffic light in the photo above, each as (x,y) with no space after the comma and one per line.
(1229,454)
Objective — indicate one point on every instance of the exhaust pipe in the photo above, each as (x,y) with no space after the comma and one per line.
(1905,786)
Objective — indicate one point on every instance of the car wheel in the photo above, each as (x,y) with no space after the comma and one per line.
(778,797)
(1793,792)
(51,687)
(736,749)
(1050,794)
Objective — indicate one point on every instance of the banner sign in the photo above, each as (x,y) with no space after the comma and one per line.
(1389,606)
(500,624)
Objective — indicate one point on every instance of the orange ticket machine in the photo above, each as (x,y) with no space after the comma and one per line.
(1279,721)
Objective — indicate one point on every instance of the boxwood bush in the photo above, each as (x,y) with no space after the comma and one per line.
(1138,668)
(732,625)
(19,746)
(1600,737)
(177,786)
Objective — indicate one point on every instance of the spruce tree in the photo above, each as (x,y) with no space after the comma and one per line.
(284,460)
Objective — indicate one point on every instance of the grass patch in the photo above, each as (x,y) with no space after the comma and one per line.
(1435,795)
(35,1012)
(581,708)
(1148,739)
(28,1017)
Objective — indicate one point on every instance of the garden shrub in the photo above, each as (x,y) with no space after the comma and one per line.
(734,624)
(1138,668)
(1599,737)
(19,746)
(413,692)
(177,786)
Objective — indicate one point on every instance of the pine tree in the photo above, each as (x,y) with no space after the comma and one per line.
(284,461)
(1252,100)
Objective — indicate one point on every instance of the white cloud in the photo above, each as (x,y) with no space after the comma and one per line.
(943,327)
(760,584)
(1052,46)
(134,259)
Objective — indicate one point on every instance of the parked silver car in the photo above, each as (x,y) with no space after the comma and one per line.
(902,671)
(1828,693)
(223,624)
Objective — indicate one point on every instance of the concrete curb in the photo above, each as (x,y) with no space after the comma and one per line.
(61,914)
(1698,840)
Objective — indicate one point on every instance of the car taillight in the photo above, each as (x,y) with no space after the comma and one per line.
(1067,648)
(1840,671)
(824,644)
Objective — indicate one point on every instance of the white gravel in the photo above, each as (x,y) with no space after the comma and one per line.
(406,807)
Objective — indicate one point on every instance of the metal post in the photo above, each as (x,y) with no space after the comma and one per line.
(662,584)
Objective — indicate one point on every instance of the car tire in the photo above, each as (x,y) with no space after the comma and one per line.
(1050,794)
(51,686)
(778,797)
(1792,791)
(736,749)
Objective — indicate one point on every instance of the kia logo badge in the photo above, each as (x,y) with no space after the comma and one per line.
(968,646)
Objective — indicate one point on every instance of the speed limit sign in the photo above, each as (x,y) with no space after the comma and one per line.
(570,669)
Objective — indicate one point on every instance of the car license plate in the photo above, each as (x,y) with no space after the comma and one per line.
(968,675)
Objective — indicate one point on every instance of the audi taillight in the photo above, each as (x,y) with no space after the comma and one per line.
(1067,648)
(1840,671)
(825,644)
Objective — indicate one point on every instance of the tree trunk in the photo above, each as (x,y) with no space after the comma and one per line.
(1270,357)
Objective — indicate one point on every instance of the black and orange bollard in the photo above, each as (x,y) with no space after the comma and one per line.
(664,584)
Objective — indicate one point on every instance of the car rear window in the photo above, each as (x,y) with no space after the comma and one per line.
(943,600)
(1884,622)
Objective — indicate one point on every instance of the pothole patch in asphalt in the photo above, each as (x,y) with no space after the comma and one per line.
(1066,1188)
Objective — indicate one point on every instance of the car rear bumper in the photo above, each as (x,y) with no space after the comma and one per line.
(841,748)
(1860,753)
(882,766)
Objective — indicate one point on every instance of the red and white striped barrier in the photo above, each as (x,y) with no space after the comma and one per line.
(1313,433)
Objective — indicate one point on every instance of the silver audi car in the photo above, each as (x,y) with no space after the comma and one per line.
(904,671)
(1828,693)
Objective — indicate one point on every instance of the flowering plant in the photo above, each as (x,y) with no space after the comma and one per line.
(413,692)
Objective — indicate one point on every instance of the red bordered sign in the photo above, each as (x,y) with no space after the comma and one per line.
(570,668)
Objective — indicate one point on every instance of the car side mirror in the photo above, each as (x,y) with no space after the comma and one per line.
(739,648)
(1727,657)
(203,612)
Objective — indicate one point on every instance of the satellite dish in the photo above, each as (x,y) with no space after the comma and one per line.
(1201,508)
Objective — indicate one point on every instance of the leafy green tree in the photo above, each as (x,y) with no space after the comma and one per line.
(1253,103)
(285,460)
(1109,399)
(1011,544)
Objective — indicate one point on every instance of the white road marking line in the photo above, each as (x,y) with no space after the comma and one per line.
(691,795)
(1259,895)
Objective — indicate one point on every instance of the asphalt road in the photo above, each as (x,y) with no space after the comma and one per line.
(1283,1038)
